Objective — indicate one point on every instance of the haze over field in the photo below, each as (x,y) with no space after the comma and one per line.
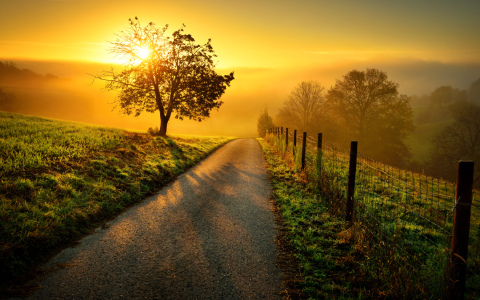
(270,45)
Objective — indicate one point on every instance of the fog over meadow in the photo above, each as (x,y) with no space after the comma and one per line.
(74,96)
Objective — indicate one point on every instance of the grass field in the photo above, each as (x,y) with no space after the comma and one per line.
(331,262)
(402,220)
(61,179)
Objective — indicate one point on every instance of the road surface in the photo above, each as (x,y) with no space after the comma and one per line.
(210,234)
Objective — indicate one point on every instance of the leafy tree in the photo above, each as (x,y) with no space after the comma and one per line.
(265,122)
(458,141)
(168,74)
(373,112)
(439,100)
(446,95)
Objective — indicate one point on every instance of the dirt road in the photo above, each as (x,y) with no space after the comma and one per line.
(210,234)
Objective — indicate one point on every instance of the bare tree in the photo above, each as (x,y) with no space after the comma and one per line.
(303,107)
(168,74)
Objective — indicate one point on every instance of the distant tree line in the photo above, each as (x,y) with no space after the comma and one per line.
(441,98)
(458,141)
(366,106)
(11,74)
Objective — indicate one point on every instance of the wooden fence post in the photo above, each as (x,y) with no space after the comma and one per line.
(304,145)
(461,230)
(294,143)
(281,131)
(352,169)
(286,139)
(319,154)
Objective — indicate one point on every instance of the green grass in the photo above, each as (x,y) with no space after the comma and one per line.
(61,179)
(329,260)
(30,142)
(403,220)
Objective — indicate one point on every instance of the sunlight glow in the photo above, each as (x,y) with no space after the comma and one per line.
(142,52)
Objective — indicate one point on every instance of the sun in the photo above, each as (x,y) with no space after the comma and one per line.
(142,52)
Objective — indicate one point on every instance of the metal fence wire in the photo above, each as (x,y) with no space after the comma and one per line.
(404,217)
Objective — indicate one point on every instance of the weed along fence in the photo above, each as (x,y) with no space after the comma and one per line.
(420,227)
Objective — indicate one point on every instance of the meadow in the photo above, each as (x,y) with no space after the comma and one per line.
(402,220)
(60,180)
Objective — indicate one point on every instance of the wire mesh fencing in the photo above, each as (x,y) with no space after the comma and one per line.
(401,217)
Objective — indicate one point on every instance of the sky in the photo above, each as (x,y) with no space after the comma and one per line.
(271,45)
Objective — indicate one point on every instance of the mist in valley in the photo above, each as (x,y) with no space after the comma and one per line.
(67,91)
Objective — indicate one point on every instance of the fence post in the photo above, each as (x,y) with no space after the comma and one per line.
(304,145)
(294,143)
(352,169)
(281,131)
(461,230)
(286,139)
(319,154)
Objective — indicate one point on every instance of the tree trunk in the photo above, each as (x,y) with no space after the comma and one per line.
(163,127)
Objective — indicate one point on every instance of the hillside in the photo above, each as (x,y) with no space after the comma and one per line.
(59,180)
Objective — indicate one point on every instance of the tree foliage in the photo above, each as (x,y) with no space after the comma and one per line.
(264,123)
(371,111)
(458,141)
(168,74)
(438,103)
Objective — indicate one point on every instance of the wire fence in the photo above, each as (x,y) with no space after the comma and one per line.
(403,217)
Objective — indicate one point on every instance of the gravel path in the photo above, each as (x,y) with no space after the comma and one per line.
(208,235)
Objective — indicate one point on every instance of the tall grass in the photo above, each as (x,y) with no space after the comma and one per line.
(403,219)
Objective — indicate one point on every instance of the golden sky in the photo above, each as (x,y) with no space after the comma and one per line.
(251,33)
(271,45)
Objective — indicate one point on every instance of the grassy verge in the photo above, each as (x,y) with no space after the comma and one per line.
(61,179)
(330,259)
(402,221)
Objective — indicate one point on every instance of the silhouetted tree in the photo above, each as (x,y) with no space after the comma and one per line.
(458,141)
(168,74)
(265,122)
(446,95)
(374,113)
(305,109)
(303,104)
(439,100)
